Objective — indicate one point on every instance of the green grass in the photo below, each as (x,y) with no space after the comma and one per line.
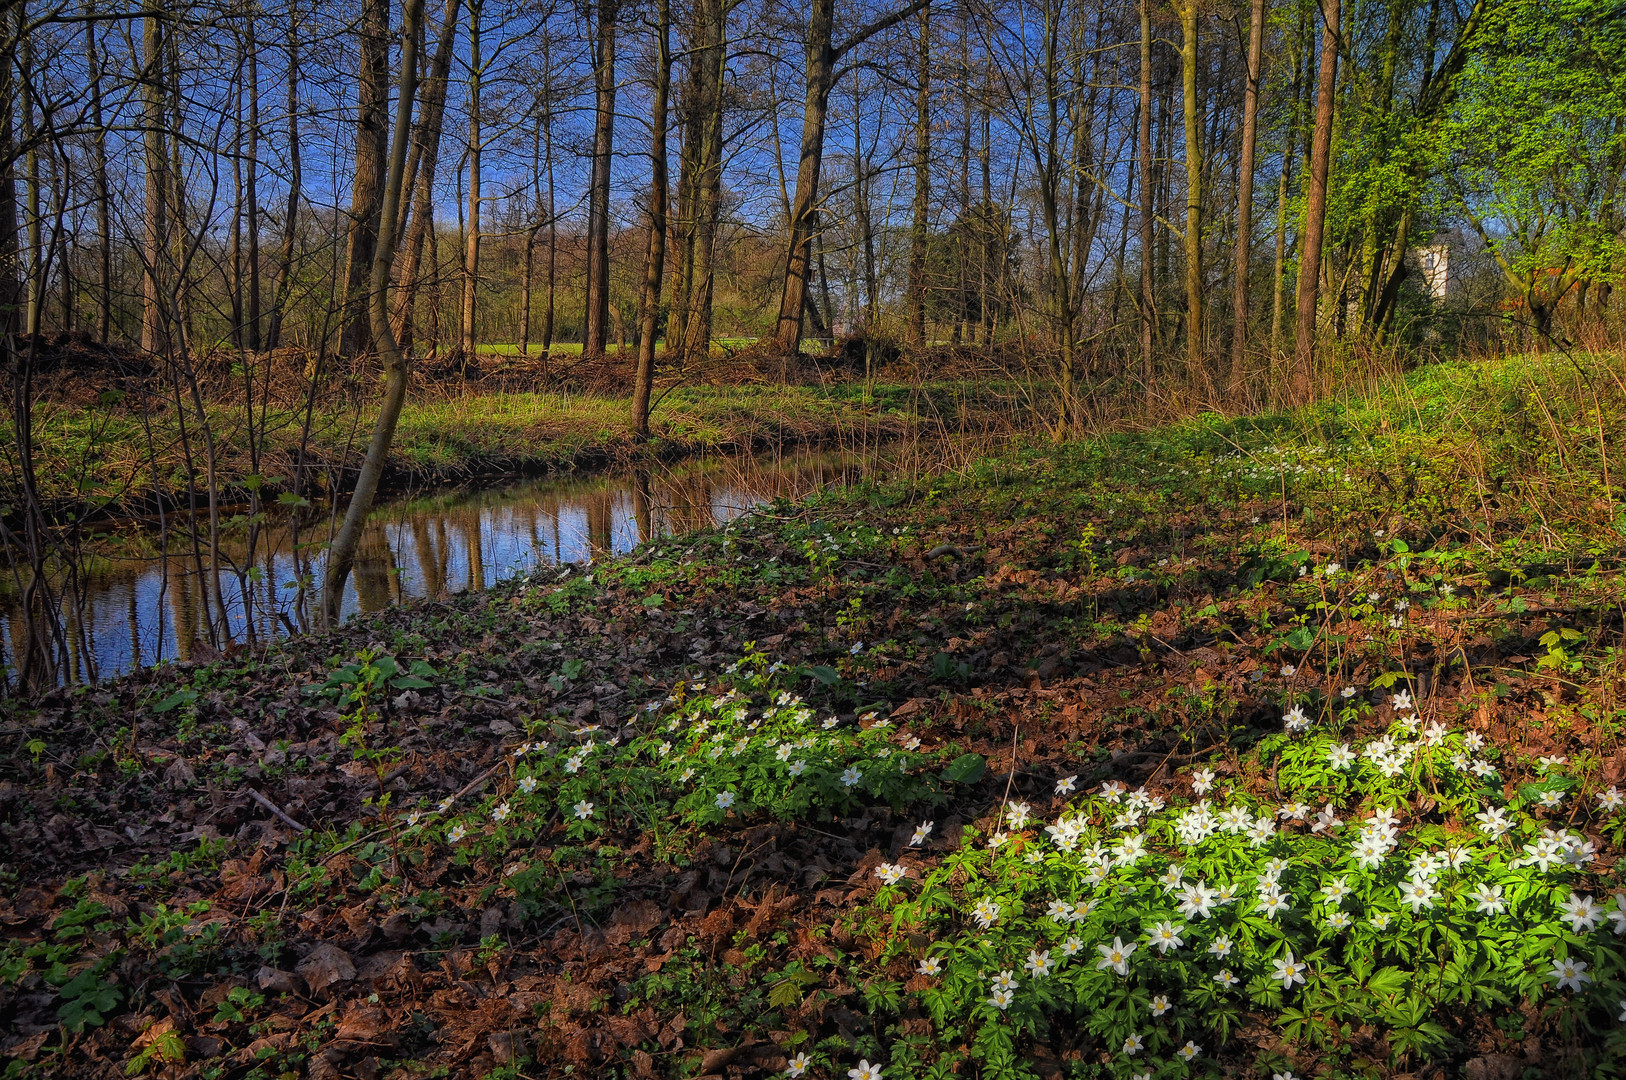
(103,457)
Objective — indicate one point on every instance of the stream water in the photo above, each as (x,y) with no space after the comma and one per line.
(137,605)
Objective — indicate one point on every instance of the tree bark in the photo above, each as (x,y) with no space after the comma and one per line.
(923,187)
(155,220)
(1192,112)
(366,193)
(822,56)
(655,261)
(1244,204)
(1148,295)
(426,139)
(1315,208)
(595,331)
(103,191)
(471,239)
(397,369)
(290,220)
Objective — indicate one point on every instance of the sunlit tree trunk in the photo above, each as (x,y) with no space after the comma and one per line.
(1192,112)
(471,239)
(655,260)
(923,189)
(1244,203)
(1315,205)
(595,332)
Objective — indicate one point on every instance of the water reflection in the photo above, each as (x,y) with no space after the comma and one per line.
(131,610)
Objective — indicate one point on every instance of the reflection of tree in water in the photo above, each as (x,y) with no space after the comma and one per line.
(374,561)
(134,608)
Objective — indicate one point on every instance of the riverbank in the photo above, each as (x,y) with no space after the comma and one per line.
(117,461)
(655,817)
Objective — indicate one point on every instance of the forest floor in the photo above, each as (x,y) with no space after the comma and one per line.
(663,816)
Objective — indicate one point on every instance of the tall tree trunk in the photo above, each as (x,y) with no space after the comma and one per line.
(655,261)
(471,240)
(426,139)
(1285,177)
(1244,204)
(708,182)
(553,225)
(397,369)
(923,187)
(1148,294)
(252,180)
(155,219)
(34,262)
(366,192)
(822,56)
(804,210)
(103,191)
(290,218)
(1315,206)
(1192,111)
(595,327)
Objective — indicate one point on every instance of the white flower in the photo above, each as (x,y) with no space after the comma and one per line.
(1482,769)
(1189,1052)
(1166,936)
(1473,740)
(1493,822)
(1488,899)
(923,830)
(1065,785)
(986,912)
(1289,970)
(1552,799)
(1072,946)
(1348,692)
(797,768)
(1293,811)
(1129,850)
(1333,890)
(1340,920)
(1288,669)
(1402,700)
(1295,720)
(1419,893)
(528,784)
(500,811)
(1543,853)
(1273,904)
(1617,914)
(1220,946)
(1288,1075)
(866,1071)
(1133,1044)
(1005,980)
(1260,832)
(413,817)
(1550,760)
(1196,901)
(725,799)
(1161,1004)
(1582,913)
(1112,791)
(889,873)
(1039,964)
(1340,756)
(929,965)
(1202,780)
(1326,819)
(1115,956)
(851,776)
(797,1065)
(1001,999)
(1226,979)
(456,833)
(584,810)
(1016,814)
(1611,800)
(1570,974)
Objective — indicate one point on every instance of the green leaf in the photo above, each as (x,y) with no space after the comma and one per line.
(966,769)
(829,676)
(175,700)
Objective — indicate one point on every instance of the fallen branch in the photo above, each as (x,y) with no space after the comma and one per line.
(275,809)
